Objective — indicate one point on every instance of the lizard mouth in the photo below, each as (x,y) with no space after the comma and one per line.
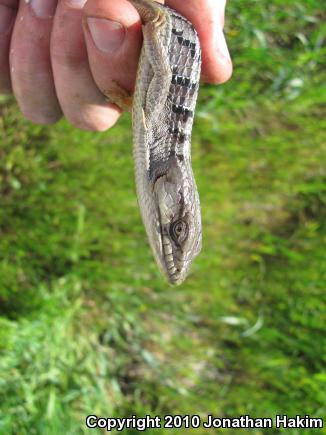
(173,262)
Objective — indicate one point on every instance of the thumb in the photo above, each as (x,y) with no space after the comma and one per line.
(113,37)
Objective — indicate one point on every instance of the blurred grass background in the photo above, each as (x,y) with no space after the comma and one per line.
(88,326)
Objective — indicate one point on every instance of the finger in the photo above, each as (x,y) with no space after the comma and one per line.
(207,17)
(7,17)
(31,71)
(113,37)
(81,101)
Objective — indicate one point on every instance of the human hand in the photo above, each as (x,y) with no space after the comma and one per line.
(64,57)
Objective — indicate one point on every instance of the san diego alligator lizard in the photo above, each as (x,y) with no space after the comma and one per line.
(163,110)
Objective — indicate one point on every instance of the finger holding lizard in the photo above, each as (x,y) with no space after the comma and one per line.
(113,36)
(207,16)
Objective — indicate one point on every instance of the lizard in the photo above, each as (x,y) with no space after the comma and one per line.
(162,116)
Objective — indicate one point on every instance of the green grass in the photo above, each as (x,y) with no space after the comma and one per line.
(88,326)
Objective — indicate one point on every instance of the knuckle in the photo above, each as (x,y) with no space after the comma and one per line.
(68,59)
(41,118)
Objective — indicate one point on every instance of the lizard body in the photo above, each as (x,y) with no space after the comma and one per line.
(163,110)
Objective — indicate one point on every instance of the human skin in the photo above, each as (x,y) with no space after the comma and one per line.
(68,57)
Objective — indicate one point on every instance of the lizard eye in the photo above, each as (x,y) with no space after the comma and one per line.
(179,231)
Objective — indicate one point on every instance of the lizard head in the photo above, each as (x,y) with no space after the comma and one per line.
(179,220)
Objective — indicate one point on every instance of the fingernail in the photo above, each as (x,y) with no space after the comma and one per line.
(77,4)
(6,18)
(107,35)
(221,44)
(43,8)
